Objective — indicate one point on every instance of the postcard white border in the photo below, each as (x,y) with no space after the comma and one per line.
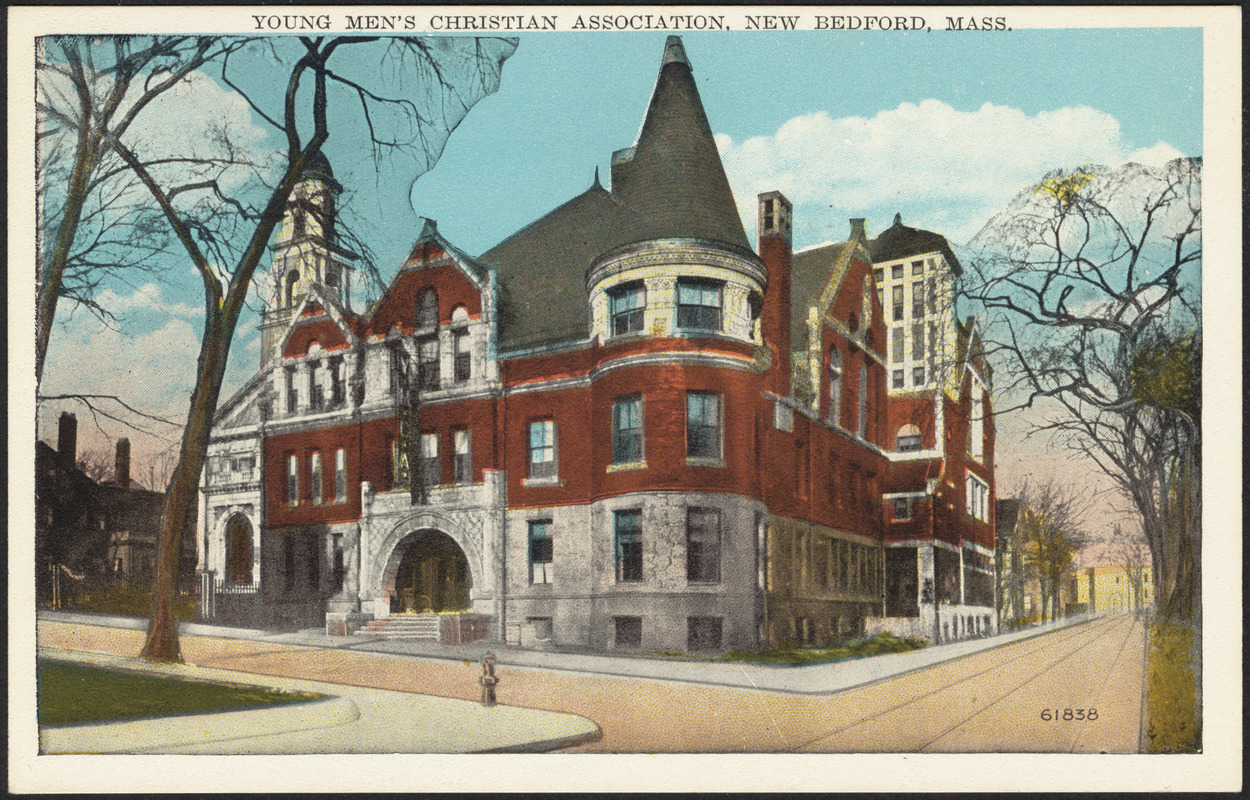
(1217,768)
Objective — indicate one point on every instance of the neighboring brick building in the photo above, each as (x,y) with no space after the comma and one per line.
(90,535)
(592,435)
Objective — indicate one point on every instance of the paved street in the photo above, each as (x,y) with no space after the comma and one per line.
(991,700)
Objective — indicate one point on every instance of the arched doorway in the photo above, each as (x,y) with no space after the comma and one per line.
(431,575)
(239,551)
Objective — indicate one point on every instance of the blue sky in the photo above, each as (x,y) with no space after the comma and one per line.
(944,128)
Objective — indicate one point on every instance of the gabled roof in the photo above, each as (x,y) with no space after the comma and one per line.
(900,241)
(669,185)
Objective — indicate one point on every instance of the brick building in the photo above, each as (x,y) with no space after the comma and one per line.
(621,427)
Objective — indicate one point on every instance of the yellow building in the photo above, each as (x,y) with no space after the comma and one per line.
(1113,577)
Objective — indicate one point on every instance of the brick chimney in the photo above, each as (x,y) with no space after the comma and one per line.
(122,464)
(67,439)
(775,251)
(857,230)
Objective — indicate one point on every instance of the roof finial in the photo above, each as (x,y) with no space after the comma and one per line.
(430,228)
(898,219)
(596,184)
(674,52)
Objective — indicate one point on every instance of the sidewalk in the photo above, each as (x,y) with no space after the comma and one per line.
(351,719)
(807,679)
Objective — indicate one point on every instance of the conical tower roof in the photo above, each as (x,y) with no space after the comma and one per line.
(673,177)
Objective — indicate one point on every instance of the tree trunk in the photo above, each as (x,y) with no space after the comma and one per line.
(181,500)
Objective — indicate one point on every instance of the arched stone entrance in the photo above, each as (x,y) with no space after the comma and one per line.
(428,571)
(239,551)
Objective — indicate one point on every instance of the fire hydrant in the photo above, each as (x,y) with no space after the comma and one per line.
(488,680)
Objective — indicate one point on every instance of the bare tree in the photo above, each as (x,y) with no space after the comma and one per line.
(1089,281)
(226,232)
(95,464)
(1131,554)
(90,221)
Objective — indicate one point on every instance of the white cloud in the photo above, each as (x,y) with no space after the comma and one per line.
(147,297)
(153,372)
(943,169)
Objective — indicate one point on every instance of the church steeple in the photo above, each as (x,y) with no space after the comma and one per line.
(304,251)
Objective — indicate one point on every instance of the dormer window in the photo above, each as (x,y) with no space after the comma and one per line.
(627,305)
(699,305)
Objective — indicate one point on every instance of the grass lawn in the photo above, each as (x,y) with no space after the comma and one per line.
(70,694)
(858,648)
(1173,725)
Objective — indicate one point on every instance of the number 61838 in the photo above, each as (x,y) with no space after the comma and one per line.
(1069,714)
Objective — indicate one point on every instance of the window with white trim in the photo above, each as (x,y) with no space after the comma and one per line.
(699,305)
(627,304)
(978,498)
(627,429)
(542,448)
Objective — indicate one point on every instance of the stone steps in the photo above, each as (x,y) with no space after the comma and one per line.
(404,627)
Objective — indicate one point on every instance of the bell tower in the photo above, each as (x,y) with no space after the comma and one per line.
(304,253)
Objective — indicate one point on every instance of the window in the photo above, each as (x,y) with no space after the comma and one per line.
(431,467)
(878,275)
(835,386)
(698,305)
(703,633)
(627,430)
(917,341)
(292,480)
(917,267)
(316,393)
(702,545)
(427,363)
(339,571)
(340,476)
(908,439)
(703,425)
(976,427)
(628,631)
(300,224)
(932,296)
(898,343)
(542,449)
(898,379)
(978,495)
(540,551)
(292,391)
(315,485)
(863,400)
(463,355)
(399,372)
(896,272)
(897,298)
(820,564)
(917,299)
(338,394)
(464,457)
(902,509)
(917,376)
(292,278)
(288,571)
(626,307)
(427,309)
(628,533)
(768,214)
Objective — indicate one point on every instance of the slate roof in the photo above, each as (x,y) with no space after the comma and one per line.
(900,241)
(669,185)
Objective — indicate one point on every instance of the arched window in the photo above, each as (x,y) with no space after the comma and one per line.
(239,552)
(908,439)
(835,386)
(427,309)
(292,278)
